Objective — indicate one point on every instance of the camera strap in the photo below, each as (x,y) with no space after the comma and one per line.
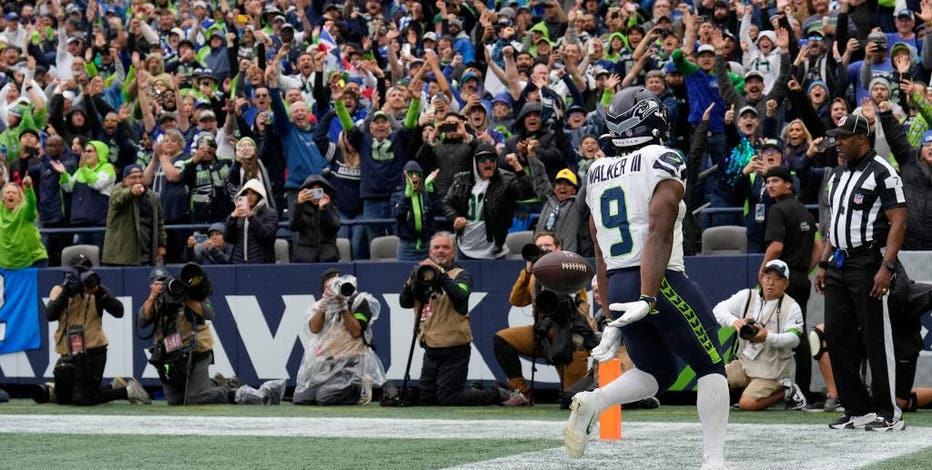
(744,314)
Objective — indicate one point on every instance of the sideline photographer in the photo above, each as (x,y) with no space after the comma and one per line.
(769,325)
(183,349)
(339,365)
(438,290)
(561,332)
(78,306)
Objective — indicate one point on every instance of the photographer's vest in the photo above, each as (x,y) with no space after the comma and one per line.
(81,311)
(772,362)
(205,341)
(441,325)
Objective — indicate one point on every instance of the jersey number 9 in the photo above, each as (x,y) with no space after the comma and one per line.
(616,217)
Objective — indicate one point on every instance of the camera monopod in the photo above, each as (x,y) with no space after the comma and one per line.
(190,366)
(403,401)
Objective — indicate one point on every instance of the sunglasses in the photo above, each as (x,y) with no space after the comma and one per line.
(261,95)
(486,158)
(414,173)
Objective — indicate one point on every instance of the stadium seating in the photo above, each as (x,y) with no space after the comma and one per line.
(344,247)
(384,248)
(724,240)
(281,251)
(516,240)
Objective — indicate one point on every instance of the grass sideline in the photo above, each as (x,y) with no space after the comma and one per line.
(26,451)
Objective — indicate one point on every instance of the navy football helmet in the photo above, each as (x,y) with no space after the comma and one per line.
(636,118)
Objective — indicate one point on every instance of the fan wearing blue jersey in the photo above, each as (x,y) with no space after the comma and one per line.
(636,203)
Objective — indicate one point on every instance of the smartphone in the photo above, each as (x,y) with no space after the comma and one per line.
(406,49)
(803,42)
(242,19)
(448,127)
(826,143)
(241,202)
(200,238)
(317,193)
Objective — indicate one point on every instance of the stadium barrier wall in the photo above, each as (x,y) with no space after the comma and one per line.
(260,324)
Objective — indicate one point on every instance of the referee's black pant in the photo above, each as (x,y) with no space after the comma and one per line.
(856,326)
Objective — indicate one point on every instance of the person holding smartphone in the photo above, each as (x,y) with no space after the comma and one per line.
(316,221)
(252,225)
(209,249)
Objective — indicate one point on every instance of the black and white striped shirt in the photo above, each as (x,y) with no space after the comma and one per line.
(859,193)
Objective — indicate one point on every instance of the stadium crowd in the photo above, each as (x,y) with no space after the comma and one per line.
(362,100)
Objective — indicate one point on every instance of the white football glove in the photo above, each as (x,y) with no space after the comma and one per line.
(608,347)
(631,312)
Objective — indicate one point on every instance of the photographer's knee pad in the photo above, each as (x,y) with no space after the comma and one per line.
(816,343)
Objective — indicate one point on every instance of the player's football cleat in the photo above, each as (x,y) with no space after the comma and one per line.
(576,431)
(847,421)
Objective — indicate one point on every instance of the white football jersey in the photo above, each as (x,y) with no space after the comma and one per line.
(618,192)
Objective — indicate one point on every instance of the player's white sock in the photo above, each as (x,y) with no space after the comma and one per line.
(712,405)
(631,386)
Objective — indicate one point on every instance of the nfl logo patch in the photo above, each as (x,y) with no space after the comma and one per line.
(858,198)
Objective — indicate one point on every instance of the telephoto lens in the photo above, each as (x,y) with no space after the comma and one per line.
(347,289)
(531,252)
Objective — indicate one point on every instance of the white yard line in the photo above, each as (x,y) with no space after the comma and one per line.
(645,445)
(664,446)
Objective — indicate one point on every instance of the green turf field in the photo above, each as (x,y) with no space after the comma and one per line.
(120,435)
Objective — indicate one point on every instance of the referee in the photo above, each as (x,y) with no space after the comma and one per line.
(790,237)
(868,222)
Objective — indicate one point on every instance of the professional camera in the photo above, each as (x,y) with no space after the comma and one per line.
(90,279)
(172,297)
(561,331)
(79,275)
(749,330)
(196,283)
(554,305)
(343,286)
(425,279)
(531,252)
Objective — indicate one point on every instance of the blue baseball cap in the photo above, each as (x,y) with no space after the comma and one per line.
(502,97)
(927,138)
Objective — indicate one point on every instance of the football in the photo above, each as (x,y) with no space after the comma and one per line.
(563,271)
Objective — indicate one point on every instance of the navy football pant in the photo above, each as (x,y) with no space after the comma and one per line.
(682,326)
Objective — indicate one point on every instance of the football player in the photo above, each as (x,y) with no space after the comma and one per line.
(636,201)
